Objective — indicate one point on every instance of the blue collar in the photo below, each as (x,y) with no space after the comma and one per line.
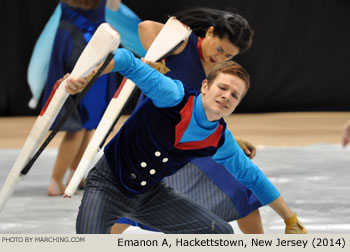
(200,116)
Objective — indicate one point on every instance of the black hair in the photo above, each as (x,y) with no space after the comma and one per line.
(226,25)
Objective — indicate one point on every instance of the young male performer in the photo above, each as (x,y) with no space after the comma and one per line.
(173,126)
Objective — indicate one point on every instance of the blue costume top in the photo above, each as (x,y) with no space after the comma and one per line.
(75,30)
(187,66)
(170,129)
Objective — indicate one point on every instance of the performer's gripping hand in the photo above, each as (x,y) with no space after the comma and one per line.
(74,86)
(159,66)
(248,148)
(346,134)
(294,226)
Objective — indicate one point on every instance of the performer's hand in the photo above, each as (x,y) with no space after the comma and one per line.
(294,226)
(159,66)
(248,148)
(346,134)
(74,86)
(59,81)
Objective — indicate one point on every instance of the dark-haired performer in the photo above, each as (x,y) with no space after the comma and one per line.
(172,127)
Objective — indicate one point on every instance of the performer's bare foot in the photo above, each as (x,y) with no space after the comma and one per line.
(55,188)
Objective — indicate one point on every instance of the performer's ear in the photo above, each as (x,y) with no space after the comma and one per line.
(205,87)
(210,32)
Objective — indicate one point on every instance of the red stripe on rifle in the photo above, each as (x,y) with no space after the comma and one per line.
(50,97)
(120,88)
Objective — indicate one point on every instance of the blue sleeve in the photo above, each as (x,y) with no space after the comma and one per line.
(38,67)
(162,90)
(231,156)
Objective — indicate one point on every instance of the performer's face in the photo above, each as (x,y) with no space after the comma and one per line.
(215,50)
(222,96)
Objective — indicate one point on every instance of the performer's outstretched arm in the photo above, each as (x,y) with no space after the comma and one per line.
(148,31)
(164,91)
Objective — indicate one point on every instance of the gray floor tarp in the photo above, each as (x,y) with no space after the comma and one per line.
(314,180)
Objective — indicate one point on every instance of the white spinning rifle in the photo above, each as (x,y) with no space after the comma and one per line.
(172,35)
(99,49)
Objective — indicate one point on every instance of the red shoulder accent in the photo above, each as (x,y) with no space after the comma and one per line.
(186,113)
(199,47)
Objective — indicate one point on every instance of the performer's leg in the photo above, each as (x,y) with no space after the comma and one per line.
(251,224)
(85,141)
(229,202)
(119,228)
(102,202)
(170,212)
(97,213)
(68,149)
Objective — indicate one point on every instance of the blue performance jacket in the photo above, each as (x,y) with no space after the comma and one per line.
(169,130)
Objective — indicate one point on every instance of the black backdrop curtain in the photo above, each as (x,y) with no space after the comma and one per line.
(21,24)
(298,61)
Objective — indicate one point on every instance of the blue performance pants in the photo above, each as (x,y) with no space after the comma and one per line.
(160,208)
